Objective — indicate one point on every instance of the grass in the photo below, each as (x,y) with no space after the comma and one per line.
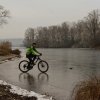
(87,90)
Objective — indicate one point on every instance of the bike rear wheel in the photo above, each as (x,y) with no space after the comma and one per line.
(23,66)
(43,66)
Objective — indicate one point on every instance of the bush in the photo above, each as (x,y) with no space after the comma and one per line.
(5,48)
(87,90)
(16,51)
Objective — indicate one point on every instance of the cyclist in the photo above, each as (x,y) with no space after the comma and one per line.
(31,53)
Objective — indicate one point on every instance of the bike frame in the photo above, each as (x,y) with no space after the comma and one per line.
(37,59)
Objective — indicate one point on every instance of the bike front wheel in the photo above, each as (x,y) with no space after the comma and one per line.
(43,66)
(23,66)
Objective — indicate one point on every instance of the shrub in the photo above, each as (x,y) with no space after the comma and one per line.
(5,48)
(87,90)
(16,51)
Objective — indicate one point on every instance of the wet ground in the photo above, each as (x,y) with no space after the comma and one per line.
(67,68)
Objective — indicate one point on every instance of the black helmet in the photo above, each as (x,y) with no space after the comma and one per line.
(33,43)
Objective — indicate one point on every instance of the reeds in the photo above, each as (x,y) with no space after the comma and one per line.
(87,90)
(5,48)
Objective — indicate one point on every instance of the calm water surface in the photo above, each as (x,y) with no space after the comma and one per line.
(67,68)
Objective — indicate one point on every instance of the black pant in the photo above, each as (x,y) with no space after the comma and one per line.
(31,58)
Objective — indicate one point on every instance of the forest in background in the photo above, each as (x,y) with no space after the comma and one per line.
(82,34)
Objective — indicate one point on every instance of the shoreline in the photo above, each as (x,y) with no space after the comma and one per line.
(8,58)
(11,92)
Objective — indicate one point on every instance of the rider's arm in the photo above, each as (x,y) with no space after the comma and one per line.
(36,51)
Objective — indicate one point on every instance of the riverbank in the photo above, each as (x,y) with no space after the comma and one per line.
(11,92)
(8,57)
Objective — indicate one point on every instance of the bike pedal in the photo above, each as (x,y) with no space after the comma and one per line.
(30,68)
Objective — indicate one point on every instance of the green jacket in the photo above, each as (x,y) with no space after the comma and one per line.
(32,51)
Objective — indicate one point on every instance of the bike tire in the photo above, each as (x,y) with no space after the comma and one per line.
(40,66)
(20,67)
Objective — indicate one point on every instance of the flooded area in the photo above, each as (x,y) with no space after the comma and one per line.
(67,67)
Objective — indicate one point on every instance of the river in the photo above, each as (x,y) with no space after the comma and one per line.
(67,68)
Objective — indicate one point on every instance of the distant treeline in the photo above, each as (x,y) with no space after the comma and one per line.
(84,34)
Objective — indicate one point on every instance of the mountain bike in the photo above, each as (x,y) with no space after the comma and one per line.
(42,65)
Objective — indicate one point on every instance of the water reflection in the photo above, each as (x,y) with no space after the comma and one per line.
(43,77)
(35,83)
(26,77)
(67,68)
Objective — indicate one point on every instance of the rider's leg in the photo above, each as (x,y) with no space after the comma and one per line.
(30,59)
(34,57)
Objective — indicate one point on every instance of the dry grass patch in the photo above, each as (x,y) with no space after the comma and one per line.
(6,49)
(87,90)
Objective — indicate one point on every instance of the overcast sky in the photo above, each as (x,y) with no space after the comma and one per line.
(34,13)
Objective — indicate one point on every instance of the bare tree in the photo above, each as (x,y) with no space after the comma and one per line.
(93,21)
(84,33)
(29,37)
(4,14)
